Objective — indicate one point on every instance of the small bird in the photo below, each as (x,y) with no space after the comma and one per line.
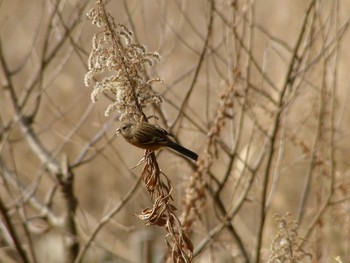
(152,137)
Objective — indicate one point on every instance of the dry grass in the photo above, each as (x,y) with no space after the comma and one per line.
(260,89)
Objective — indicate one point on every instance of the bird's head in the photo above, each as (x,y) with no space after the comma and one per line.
(125,129)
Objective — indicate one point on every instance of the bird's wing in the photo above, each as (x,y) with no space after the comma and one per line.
(149,136)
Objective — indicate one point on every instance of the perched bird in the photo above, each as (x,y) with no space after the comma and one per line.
(152,137)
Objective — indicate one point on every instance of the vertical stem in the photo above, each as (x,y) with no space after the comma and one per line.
(288,83)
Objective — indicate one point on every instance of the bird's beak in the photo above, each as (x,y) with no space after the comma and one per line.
(117,131)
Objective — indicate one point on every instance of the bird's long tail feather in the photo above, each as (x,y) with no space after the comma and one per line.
(184,151)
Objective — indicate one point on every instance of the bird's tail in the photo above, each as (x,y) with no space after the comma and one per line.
(184,151)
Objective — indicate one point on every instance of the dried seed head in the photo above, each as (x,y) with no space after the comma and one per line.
(121,64)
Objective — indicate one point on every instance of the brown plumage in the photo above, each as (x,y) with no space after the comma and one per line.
(151,137)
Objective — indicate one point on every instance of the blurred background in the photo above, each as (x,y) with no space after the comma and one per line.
(270,79)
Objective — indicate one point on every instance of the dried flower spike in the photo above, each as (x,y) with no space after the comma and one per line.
(120,64)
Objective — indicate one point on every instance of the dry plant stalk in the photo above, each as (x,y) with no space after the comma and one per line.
(121,64)
(163,212)
(286,246)
(195,191)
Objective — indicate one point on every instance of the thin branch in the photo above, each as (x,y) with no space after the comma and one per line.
(198,67)
(124,200)
(14,236)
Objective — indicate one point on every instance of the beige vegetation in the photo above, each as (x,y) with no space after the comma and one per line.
(259,89)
